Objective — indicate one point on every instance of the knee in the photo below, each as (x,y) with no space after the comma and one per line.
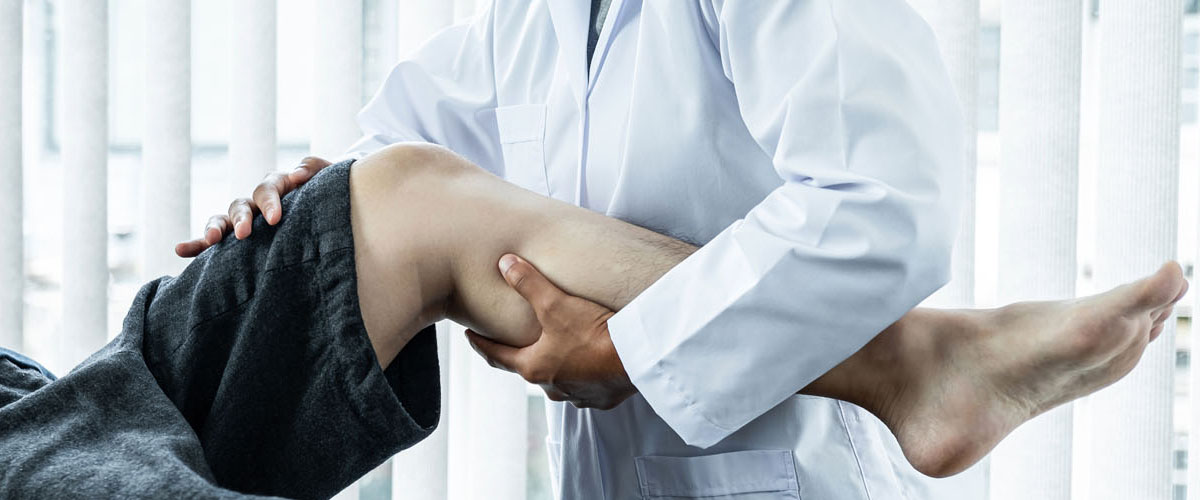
(400,189)
(413,167)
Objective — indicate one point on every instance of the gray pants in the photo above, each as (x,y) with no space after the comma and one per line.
(249,373)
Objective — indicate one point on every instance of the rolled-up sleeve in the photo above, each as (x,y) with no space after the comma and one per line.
(853,104)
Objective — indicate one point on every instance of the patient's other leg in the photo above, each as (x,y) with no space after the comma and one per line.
(104,430)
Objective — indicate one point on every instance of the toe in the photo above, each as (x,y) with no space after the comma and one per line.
(1154,332)
(1161,288)
(1182,291)
(1163,315)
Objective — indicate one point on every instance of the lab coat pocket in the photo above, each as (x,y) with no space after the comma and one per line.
(522,132)
(738,475)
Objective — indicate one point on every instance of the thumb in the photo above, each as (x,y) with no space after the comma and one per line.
(504,357)
(527,281)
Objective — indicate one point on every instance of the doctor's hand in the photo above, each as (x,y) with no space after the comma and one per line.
(574,359)
(240,216)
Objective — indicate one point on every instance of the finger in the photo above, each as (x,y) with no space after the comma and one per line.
(307,168)
(605,405)
(218,226)
(554,394)
(241,212)
(504,357)
(213,232)
(191,248)
(527,281)
(266,195)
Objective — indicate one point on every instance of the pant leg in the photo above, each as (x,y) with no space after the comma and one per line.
(21,360)
(251,371)
(260,343)
(20,376)
(105,430)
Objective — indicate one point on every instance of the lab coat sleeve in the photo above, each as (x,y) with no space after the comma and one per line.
(851,101)
(444,93)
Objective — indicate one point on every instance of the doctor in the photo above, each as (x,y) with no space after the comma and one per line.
(812,146)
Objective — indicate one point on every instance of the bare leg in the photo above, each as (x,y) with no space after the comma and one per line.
(429,228)
(951,384)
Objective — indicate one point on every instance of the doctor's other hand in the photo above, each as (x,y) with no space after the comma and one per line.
(574,359)
(240,217)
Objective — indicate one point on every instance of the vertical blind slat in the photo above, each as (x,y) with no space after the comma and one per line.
(458,440)
(338,67)
(1131,427)
(465,444)
(1193,442)
(253,91)
(83,69)
(1193,416)
(1040,64)
(496,456)
(420,472)
(488,428)
(12,269)
(956,24)
(465,9)
(419,20)
(337,95)
(167,146)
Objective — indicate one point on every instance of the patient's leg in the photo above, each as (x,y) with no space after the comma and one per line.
(250,371)
(429,222)
(261,347)
(949,384)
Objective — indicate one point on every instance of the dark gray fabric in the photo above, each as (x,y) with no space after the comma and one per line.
(20,359)
(599,12)
(251,372)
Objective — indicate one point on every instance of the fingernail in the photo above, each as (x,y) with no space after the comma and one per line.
(298,170)
(507,262)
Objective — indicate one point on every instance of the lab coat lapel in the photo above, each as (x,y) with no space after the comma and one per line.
(611,24)
(570,19)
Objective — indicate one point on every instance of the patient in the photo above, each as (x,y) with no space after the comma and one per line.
(293,362)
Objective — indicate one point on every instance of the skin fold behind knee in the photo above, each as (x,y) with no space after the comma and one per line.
(401,281)
(422,231)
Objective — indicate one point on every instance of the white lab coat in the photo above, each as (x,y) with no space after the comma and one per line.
(813,146)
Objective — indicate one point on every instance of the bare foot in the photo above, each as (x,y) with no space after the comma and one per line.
(960,381)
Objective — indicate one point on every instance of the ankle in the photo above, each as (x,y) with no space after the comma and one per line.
(872,376)
(904,359)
